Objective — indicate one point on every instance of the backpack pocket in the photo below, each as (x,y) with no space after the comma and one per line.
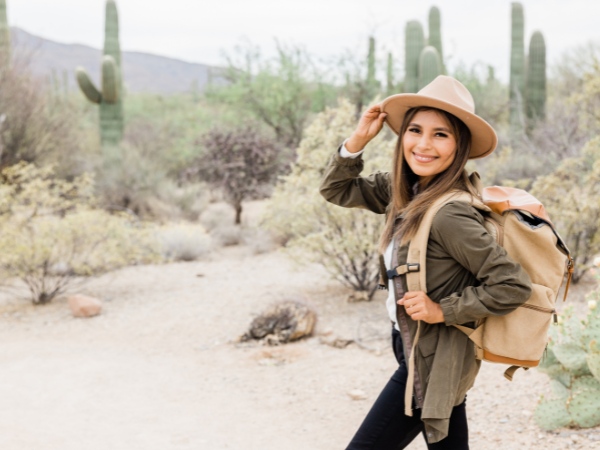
(521,335)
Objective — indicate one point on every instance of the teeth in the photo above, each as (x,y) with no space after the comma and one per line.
(422,158)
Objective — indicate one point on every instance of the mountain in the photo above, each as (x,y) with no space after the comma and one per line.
(142,72)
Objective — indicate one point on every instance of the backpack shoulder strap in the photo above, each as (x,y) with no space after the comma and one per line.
(416,279)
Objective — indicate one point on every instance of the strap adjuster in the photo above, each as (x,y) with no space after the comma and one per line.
(401,270)
(413,267)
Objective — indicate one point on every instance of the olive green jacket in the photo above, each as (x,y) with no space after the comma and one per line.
(468,274)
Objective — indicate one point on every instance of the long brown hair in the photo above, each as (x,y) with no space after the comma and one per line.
(411,200)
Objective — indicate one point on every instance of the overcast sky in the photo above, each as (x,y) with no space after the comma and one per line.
(200,30)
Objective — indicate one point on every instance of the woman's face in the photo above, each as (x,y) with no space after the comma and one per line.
(429,144)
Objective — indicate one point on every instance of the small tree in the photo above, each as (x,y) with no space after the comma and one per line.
(281,93)
(242,163)
(52,237)
(343,240)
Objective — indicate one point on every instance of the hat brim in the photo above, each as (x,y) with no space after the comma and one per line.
(483,136)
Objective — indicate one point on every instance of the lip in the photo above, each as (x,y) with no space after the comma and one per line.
(423,158)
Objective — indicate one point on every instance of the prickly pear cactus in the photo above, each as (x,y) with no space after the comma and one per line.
(430,66)
(535,103)
(110,97)
(414,43)
(572,361)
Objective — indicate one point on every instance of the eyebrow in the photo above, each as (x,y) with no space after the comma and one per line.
(447,130)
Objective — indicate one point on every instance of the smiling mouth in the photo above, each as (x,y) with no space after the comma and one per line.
(423,158)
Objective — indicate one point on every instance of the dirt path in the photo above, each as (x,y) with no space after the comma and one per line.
(158,369)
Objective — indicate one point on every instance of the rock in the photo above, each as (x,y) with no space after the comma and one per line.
(84,306)
(282,322)
(357,394)
(335,341)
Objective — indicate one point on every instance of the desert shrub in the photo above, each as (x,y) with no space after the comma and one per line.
(216,215)
(259,240)
(184,242)
(572,362)
(52,236)
(571,195)
(240,162)
(343,240)
(34,126)
(227,235)
(130,179)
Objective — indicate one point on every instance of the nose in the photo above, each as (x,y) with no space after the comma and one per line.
(424,141)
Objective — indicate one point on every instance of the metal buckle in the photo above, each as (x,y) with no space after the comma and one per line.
(413,267)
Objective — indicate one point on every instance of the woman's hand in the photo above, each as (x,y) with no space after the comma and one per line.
(420,307)
(368,127)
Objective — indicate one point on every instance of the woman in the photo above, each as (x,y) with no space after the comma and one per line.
(469,276)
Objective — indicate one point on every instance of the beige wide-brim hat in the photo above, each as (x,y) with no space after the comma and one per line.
(448,94)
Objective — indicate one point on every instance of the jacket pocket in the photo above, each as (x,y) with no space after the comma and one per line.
(426,350)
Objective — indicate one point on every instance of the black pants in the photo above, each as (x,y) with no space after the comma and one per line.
(386,427)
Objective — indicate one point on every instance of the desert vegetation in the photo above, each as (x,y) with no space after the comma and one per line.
(88,187)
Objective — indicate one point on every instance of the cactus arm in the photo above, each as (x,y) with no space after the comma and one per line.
(430,66)
(110,85)
(87,86)
(414,43)
(536,77)
(435,33)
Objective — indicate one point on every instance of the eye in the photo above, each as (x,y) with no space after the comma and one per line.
(441,134)
(414,130)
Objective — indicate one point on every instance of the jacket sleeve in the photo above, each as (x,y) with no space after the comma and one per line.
(503,284)
(342,185)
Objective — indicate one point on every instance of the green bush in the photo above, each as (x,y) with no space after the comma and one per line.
(52,236)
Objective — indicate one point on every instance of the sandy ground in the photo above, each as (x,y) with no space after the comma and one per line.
(159,369)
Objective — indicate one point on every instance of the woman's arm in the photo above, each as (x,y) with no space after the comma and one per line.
(504,285)
(342,184)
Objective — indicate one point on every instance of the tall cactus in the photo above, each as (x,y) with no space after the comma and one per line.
(110,98)
(535,103)
(390,88)
(414,43)
(430,66)
(371,84)
(517,68)
(435,32)
(4,34)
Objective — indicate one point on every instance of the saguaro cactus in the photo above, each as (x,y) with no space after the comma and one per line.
(371,84)
(414,43)
(435,32)
(535,103)
(517,68)
(4,34)
(110,98)
(430,66)
(390,88)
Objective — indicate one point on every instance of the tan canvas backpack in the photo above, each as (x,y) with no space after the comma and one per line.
(522,226)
